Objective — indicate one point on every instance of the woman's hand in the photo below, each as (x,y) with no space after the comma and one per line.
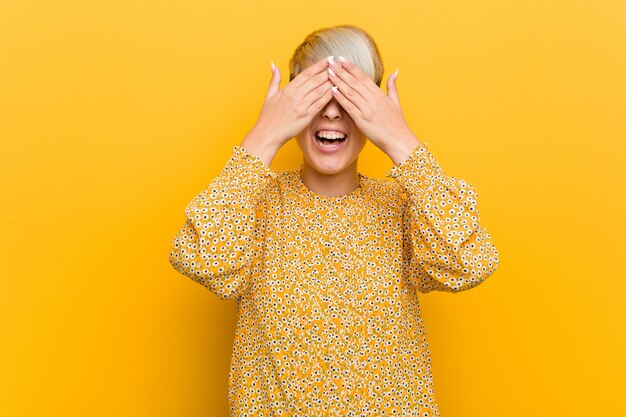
(377,115)
(287,112)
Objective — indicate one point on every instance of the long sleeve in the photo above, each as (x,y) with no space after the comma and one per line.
(222,240)
(446,246)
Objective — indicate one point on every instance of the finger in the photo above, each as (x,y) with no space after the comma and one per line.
(350,93)
(392,90)
(325,93)
(347,105)
(310,85)
(367,85)
(355,84)
(310,71)
(274,86)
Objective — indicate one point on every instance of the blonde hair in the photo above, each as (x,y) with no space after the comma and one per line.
(349,41)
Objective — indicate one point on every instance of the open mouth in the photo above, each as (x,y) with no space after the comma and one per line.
(330,139)
(326,141)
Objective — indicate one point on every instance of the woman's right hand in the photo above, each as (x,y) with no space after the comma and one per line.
(287,112)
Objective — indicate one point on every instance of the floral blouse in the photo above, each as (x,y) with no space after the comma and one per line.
(329,320)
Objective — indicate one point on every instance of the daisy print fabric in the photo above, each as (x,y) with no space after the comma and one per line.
(329,321)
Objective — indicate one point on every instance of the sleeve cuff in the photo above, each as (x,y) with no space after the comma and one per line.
(252,161)
(419,171)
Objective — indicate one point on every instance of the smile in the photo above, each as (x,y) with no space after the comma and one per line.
(330,141)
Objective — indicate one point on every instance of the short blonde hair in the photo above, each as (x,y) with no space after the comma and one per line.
(349,41)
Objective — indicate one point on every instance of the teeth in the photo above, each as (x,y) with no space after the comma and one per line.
(328,143)
(330,135)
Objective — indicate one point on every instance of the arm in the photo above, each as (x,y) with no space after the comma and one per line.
(446,246)
(223,235)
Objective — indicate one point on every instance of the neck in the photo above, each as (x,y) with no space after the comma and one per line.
(331,185)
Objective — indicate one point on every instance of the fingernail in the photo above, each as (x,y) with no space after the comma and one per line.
(335,88)
(396,73)
(273,66)
(331,61)
(342,60)
(331,72)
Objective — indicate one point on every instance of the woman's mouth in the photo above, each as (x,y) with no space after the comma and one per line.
(329,141)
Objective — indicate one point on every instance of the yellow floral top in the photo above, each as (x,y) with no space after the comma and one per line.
(327,287)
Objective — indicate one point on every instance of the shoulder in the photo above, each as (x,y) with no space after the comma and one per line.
(385,193)
(280,184)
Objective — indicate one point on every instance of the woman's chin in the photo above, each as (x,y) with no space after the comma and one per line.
(328,165)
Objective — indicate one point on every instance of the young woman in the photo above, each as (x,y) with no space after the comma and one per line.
(326,263)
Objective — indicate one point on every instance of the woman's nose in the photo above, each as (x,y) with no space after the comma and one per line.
(332,110)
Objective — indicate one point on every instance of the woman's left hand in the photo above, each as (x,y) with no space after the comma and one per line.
(377,115)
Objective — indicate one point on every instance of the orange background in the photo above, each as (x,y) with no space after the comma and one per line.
(114,115)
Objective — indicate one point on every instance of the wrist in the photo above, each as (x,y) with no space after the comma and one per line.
(260,144)
(401,148)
